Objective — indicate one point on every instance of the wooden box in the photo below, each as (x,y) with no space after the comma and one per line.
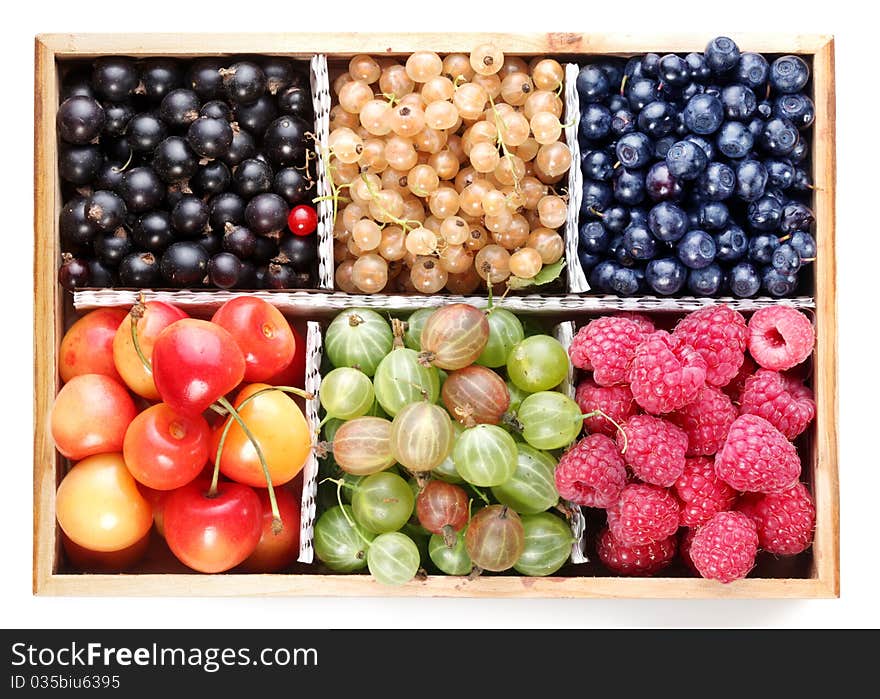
(52,308)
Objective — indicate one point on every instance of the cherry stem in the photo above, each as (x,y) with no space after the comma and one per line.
(136,313)
(599,413)
(277,524)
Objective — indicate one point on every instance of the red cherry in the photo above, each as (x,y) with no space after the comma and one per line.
(211,534)
(195,362)
(302,220)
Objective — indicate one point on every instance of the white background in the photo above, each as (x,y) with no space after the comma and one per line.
(858,251)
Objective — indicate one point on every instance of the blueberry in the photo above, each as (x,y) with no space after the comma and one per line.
(703,114)
(634,150)
(780,173)
(739,101)
(734,139)
(588,260)
(756,128)
(800,152)
(717,182)
(779,136)
(625,281)
(796,217)
(661,184)
(629,186)
(640,92)
(616,219)
(657,119)
(765,213)
(623,121)
(621,254)
(639,243)
(674,70)
(804,244)
(699,67)
(707,146)
(776,283)
(752,70)
(633,69)
(662,146)
(596,197)
(667,221)
(714,215)
(705,281)
(597,165)
(743,280)
(650,65)
(592,84)
(764,109)
(731,244)
(686,160)
(691,90)
(638,216)
(696,249)
(786,259)
(751,179)
(722,54)
(613,70)
(798,109)
(593,238)
(595,122)
(789,74)
(801,180)
(600,276)
(761,248)
(665,276)
(616,102)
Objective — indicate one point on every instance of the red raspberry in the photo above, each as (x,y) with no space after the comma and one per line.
(701,492)
(606,346)
(615,401)
(642,514)
(645,323)
(655,449)
(784,520)
(738,382)
(783,401)
(720,335)
(666,373)
(780,337)
(684,549)
(706,421)
(634,560)
(757,457)
(724,548)
(592,472)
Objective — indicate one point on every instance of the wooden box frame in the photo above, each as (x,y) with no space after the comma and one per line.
(49,311)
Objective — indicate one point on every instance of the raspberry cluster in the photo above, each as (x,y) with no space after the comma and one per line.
(693,430)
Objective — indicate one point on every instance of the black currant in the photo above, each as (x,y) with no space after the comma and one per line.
(115,78)
(266,214)
(216,109)
(105,210)
(264,250)
(139,270)
(189,216)
(211,242)
(209,137)
(256,116)
(252,177)
(210,179)
(204,78)
(223,270)
(244,82)
(296,101)
(239,240)
(300,252)
(284,140)
(160,76)
(73,273)
(279,73)
(173,160)
(100,275)
(292,185)
(117,115)
(153,231)
(110,248)
(73,224)
(142,189)
(79,165)
(243,146)
(77,81)
(184,264)
(247,277)
(79,120)
(225,208)
(180,108)
(117,149)
(279,276)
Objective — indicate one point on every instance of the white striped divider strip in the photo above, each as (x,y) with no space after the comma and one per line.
(321,100)
(577,280)
(310,470)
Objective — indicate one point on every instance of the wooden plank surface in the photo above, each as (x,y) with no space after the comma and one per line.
(348,44)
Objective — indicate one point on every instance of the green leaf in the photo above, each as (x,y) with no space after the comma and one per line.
(548,274)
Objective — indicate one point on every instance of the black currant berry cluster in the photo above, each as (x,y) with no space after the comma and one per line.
(696,173)
(183,174)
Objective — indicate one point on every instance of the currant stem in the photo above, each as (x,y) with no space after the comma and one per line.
(277,524)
